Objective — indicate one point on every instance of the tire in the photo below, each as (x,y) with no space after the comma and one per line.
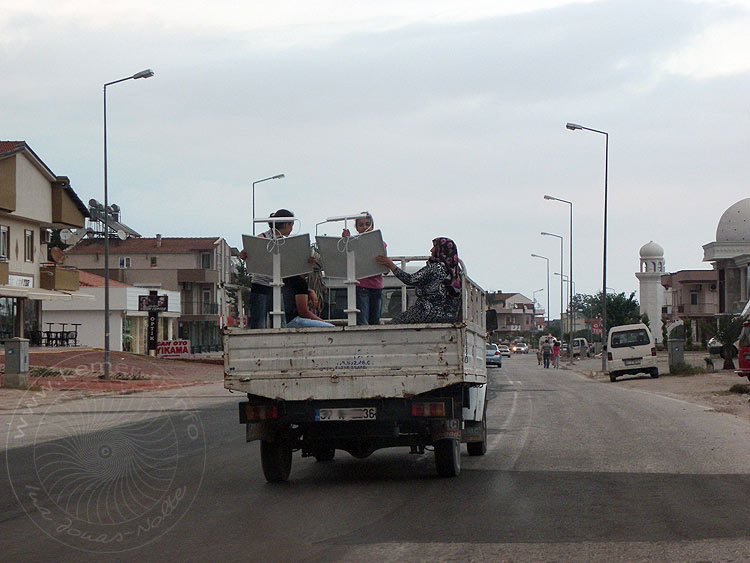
(655,373)
(479,448)
(612,377)
(325,455)
(276,459)
(448,457)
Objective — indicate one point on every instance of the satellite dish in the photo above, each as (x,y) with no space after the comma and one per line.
(122,235)
(58,256)
(66,235)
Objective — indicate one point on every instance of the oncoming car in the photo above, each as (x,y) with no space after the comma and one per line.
(504,350)
(520,348)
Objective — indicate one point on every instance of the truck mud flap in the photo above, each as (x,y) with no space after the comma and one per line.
(472,432)
(445,428)
(257,431)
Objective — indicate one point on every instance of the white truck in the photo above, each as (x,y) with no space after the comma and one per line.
(362,388)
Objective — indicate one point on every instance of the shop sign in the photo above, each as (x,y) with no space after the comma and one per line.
(173,348)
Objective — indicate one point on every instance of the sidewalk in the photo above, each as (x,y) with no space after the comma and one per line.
(65,374)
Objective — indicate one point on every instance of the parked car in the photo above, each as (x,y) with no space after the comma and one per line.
(631,349)
(492,355)
(504,350)
(714,346)
(520,348)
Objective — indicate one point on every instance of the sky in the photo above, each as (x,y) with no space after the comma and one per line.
(441,118)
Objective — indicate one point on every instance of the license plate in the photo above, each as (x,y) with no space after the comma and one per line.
(633,362)
(325,415)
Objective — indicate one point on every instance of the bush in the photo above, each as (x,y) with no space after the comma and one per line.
(740,388)
(685,369)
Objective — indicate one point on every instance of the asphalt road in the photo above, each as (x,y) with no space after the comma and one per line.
(576,470)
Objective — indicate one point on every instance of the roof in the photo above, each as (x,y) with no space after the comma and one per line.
(143,245)
(88,279)
(8,148)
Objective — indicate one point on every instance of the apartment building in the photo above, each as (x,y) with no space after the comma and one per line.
(515,312)
(33,200)
(196,267)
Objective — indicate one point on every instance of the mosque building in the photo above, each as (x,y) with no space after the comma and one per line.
(730,257)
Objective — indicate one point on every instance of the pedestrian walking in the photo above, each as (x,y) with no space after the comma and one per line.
(546,352)
(556,354)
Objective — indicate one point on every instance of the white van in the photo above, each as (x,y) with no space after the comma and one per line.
(631,349)
(581,348)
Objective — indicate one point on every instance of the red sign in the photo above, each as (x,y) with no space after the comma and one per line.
(596,326)
(173,348)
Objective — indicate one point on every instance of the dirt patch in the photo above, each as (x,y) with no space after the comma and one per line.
(707,389)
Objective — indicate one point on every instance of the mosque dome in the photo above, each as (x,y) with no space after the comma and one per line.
(652,250)
(734,225)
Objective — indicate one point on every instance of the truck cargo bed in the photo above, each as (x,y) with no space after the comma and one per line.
(352,362)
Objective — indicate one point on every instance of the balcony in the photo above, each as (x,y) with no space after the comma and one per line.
(199,308)
(3,272)
(56,277)
(198,275)
(707,309)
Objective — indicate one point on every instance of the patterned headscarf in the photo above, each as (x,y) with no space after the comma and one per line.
(445,252)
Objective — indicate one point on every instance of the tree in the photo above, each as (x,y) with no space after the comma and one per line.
(730,328)
(621,310)
(645,320)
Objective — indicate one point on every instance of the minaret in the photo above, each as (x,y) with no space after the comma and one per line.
(651,291)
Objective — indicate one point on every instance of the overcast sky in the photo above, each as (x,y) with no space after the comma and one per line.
(442,118)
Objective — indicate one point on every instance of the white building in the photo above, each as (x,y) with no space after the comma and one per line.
(128,329)
(730,255)
(652,292)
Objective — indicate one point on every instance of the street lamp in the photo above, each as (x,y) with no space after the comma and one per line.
(277,177)
(570,258)
(535,292)
(562,269)
(547,259)
(574,127)
(148,73)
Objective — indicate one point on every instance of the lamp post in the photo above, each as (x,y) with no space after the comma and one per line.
(535,292)
(571,314)
(547,259)
(574,127)
(148,73)
(562,251)
(277,177)
(570,258)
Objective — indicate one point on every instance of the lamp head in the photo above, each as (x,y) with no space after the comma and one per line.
(544,234)
(548,197)
(277,177)
(573,126)
(148,73)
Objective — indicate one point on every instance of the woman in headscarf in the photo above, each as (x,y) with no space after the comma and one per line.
(438,285)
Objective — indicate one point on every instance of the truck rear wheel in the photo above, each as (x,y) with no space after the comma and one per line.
(480,448)
(448,457)
(655,372)
(276,459)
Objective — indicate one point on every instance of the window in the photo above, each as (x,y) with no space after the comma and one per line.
(4,242)
(635,337)
(28,245)
(153,261)
(693,297)
(124,261)
(205,260)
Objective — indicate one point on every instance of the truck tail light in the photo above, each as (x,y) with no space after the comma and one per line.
(255,414)
(653,351)
(609,356)
(428,409)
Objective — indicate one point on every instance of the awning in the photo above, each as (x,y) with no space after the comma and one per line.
(44,294)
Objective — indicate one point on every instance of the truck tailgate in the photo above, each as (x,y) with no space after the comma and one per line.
(352,361)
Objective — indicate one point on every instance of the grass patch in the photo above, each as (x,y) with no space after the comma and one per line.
(685,369)
(50,372)
(743,388)
(131,376)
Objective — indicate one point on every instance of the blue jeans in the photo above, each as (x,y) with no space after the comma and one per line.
(369,303)
(260,305)
(301,322)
